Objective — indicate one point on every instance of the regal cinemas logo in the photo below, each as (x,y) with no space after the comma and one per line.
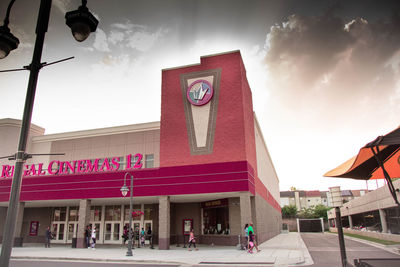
(57,167)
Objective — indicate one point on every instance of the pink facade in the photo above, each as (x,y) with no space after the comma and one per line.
(177,180)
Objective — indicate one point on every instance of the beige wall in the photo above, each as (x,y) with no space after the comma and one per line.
(313,201)
(234,217)
(265,168)
(9,137)
(185,211)
(100,143)
(43,215)
(180,211)
(268,220)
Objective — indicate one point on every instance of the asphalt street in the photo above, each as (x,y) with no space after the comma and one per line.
(325,252)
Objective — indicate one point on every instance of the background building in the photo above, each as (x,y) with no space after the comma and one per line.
(307,199)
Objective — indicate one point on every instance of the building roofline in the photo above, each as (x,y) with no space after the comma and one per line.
(140,127)
(17,123)
(198,64)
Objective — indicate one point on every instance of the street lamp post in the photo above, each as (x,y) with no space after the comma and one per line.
(124,191)
(337,202)
(7,43)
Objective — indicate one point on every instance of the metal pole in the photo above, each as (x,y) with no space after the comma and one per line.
(13,206)
(129,252)
(341,237)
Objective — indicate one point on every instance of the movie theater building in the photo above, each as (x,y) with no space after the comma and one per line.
(204,165)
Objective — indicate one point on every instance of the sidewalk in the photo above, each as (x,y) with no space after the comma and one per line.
(282,250)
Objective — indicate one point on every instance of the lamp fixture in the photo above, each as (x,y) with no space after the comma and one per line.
(81,22)
(124,190)
(8,41)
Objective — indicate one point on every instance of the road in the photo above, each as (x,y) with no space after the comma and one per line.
(47,263)
(324,250)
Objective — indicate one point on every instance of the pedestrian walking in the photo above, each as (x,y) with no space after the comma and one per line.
(192,240)
(142,237)
(251,242)
(150,236)
(48,237)
(125,234)
(87,236)
(93,238)
(250,229)
(246,236)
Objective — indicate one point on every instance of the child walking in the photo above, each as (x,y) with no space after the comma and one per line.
(251,242)
(192,240)
(142,237)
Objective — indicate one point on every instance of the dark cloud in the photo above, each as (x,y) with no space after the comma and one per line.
(312,44)
(324,62)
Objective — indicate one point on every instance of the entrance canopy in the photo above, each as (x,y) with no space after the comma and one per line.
(364,166)
(379,159)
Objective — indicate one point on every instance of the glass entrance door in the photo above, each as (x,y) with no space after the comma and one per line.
(148,224)
(112,232)
(72,231)
(58,231)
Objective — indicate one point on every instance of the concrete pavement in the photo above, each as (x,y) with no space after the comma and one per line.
(286,249)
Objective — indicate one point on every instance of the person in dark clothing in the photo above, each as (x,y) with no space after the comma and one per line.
(125,234)
(87,236)
(48,237)
(150,237)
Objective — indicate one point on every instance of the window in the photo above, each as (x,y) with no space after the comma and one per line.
(149,161)
(59,214)
(95,213)
(148,209)
(216,220)
(113,213)
(73,214)
(134,207)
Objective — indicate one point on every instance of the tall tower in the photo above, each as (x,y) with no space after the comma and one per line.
(207,113)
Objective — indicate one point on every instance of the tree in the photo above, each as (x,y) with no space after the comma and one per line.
(307,213)
(290,210)
(321,211)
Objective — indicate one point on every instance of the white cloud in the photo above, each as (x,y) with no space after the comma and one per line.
(128,26)
(116,37)
(143,40)
(127,35)
(100,41)
(62,5)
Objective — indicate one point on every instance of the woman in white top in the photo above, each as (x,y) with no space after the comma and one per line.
(93,237)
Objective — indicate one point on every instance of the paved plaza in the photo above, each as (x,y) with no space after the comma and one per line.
(284,249)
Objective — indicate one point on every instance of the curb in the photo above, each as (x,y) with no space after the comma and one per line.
(95,260)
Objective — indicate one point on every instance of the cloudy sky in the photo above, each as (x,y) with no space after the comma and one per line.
(325,75)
